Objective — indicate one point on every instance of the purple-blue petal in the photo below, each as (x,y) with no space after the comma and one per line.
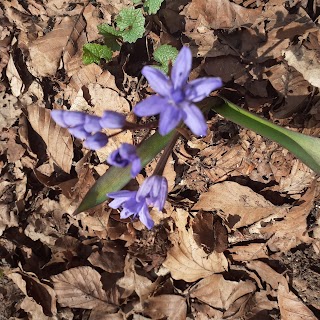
(92,123)
(150,106)
(112,120)
(116,160)
(158,81)
(79,132)
(120,197)
(67,119)
(169,119)
(96,141)
(145,218)
(181,68)
(197,90)
(194,119)
(136,167)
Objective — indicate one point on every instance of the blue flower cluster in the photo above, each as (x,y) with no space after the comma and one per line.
(174,102)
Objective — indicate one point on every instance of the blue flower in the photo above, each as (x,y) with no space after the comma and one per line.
(175,99)
(153,192)
(125,155)
(82,126)
(112,120)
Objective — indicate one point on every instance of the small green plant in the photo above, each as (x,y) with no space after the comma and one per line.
(129,28)
(165,55)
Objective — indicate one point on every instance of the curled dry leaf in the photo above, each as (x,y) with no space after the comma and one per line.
(220,293)
(291,308)
(57,139)
(80,288)
(7,218)
(250,252)
(239,206)
(186,260)
(168,306)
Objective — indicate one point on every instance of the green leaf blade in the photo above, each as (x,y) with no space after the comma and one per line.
(152,6)
(93,53)
(164,55)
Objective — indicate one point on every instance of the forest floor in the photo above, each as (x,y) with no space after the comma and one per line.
(239,237)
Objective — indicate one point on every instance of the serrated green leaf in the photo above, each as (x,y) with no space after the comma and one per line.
(116,178)
(164,54)
(105,29)
(136,1)
(93,52)
(152,6)
(131,24)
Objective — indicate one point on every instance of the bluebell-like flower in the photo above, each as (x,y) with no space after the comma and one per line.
(176,97)
(125,155)
(112,120)
(82,126)
(153,192)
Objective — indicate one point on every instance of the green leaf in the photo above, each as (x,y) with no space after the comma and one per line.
(305,148)
(107,30)
(164,55)
(93,52)
(131,24)
(116,178)
(111,36)
(152,6)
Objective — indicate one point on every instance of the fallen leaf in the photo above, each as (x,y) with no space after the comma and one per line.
(238,205)
(16,84)
(57,139)
(219,293)
(252,251)
(169,306)
(7,218)
(79,288)
(291,308)
(186,260)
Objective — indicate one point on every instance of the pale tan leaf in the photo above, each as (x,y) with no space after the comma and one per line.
(57,139)
(7,218)
(291,308)
(220,14)
(168,306)
(79,288)
(46,52)
(34,310)
(220,293)
(133,282)
(249,252)
(267,274)
(8,113)
(100,313)
(14,78)
(186,260)
(239,205)
(305,61)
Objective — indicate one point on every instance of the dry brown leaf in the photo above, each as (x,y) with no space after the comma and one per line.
(34,310)
(220,14)
(103,313)
(16,84)
(169,306)
(305,61)
(250,252)
(291,231)
(7,218)
(186,260)
(220,293)
(267,274)
(133,282)
(79,288)
(57,139)
(8,113)
(291,308)
(46,52)
(238,205)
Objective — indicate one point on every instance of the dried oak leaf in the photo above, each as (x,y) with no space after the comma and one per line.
(168,306)
(220,293)
(57,139)
(80,288)
(186,260)
(291,308)
(239,205)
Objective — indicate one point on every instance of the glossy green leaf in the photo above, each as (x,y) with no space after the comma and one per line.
(116,178)
(304,147)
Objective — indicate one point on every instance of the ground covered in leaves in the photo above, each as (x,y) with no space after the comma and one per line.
(239,237)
